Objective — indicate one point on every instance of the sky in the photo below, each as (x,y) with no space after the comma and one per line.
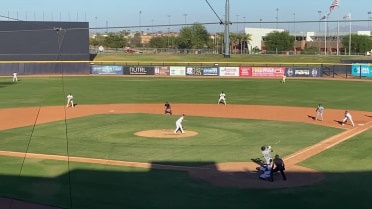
(171,15)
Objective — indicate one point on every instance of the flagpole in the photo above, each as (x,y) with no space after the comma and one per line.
(325,35)
(338,30)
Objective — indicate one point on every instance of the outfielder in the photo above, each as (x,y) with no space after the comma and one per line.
(348,118)
(222,98)
(266,153)
(179,124)
(70,100)
(15,78)
(283,78)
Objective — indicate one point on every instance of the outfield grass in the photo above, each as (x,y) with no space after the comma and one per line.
(220,140)
(335,94)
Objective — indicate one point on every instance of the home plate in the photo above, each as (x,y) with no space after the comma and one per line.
(361,124)
(112,111)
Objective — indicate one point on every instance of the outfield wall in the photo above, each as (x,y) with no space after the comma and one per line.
(207,71)
(49,68)
(86,68)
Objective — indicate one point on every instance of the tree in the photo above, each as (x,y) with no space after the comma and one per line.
(136,40)
(279,41)
(193,37)
(359,43)
(310,50)
(159,42)
(114,40)
(240,41)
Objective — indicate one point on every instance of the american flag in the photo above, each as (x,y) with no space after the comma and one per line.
(347,17)
(334,4)
(325,16)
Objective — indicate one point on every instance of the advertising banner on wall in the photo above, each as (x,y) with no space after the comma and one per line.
(107,69)
(138,70)
(245,72)
(177,70)
(194,71)
(210,71)
(229,71)
(162,70)
(303,72)
(268,71)
(361,70)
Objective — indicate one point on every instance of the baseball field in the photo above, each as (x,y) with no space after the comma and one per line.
(116,148)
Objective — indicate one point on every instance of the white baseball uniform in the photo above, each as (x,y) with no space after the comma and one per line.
(267,155)
(179,124)
(15,79)
(347,117)
(70,100)
(222,98)
(319,112)
(283,78)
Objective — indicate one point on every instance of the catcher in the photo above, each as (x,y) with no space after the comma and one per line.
(167,109)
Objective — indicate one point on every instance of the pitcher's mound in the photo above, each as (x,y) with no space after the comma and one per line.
(165,133)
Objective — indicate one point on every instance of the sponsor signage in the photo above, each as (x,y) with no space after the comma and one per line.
(162,70)
(361,70)
(138,70)
(210,71)
(194,71)
(229,71)
(107,69)
(177,70)
(267,71)
(303,72)
(245,72)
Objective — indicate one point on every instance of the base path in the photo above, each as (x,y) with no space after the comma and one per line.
(231,174)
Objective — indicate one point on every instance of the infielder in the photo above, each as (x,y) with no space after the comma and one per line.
(319,112)
(179,124)
(222,98)
(70,100)
(266,153)
(347,118)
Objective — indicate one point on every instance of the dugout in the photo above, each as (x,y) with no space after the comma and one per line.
(38,47)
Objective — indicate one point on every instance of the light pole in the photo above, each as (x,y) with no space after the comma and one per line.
(96,23)
(168,28)
(106,26)
(319,12)
(185,17)
(244,23)
(260,22)
(277,17)
(140,12)
(294,22)
(152,26)
(237,25)
(369,19)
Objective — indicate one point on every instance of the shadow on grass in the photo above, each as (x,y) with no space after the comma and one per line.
(157,188)
(5,84)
